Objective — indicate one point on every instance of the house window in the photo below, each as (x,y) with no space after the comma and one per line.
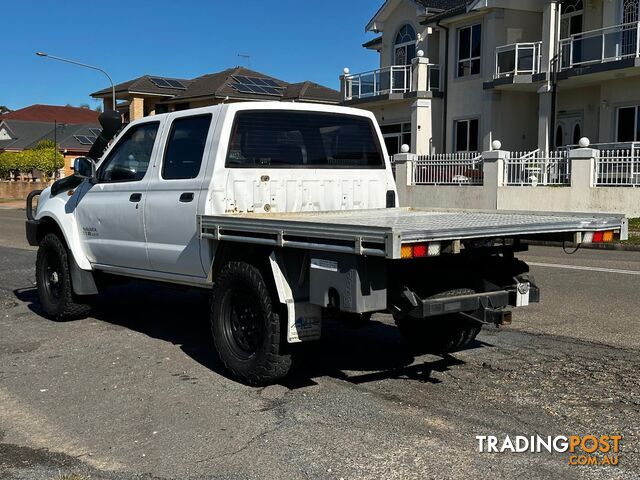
(628,124)
(466,135)
(395,136)
(571,17)
(559,136)
(469,49)
(577,134)
(404,50)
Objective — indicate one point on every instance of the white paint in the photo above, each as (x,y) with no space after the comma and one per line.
(585,268)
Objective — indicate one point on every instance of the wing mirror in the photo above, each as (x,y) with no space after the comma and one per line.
(84,167)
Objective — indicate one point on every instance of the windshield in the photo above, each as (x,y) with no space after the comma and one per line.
(294,139)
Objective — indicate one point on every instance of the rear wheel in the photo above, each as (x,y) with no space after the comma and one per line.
(246,327)
(53,280)
(442,334)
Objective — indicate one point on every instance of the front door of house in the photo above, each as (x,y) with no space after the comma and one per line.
(568,128)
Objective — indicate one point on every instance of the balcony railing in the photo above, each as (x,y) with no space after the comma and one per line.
(383,81)
(600,46)
(518,59)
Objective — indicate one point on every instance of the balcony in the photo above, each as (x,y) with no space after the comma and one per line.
(395,79)
(518,59)
(600,46)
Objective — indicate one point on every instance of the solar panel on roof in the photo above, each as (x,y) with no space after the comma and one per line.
(167,83)
(261,86)
(176,84)
(84,139)
(271,83)
(95,131)
(241,88)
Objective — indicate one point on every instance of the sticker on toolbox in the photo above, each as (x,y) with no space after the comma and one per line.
(322,264)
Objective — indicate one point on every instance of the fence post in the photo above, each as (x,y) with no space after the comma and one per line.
(493,163)
(404,174)
(583,166)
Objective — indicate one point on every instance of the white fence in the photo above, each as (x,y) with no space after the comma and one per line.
(537,168)
(618,168)
(463,168)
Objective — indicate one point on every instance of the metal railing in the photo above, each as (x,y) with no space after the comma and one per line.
(537,168)
(600,46)
(387,80)
(618,168)
(463,168)
(518,59)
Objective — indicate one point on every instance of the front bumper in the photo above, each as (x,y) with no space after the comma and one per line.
(32,232)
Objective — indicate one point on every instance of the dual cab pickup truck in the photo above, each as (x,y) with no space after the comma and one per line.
(285,213)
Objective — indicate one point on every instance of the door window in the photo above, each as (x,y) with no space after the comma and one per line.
(185,147)
(628,124)
(466,135)
(129,159)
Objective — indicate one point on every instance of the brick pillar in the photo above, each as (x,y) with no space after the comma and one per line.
(136,108)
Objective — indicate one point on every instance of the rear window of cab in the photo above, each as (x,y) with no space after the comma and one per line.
(299,139)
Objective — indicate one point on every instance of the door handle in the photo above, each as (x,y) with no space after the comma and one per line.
(135,197)
(186,197)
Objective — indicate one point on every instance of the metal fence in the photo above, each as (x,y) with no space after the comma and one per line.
(618,168)
(538,168)
(463,168)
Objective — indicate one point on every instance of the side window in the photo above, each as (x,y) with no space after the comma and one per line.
(469,50)
(185,147)
(466,135)
(129,159)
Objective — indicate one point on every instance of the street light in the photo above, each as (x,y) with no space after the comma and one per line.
(113,88)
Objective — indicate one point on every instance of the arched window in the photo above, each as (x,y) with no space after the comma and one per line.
(559,136)
(571,17)
(630,15)
(577,134)
(404,49)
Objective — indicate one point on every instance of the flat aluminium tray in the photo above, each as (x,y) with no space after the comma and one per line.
(381,232)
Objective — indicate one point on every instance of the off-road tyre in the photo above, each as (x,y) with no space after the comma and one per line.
(246,326)
(442,334)
(53,281)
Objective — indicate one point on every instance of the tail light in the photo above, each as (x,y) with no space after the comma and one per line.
(605,236)
(420,250)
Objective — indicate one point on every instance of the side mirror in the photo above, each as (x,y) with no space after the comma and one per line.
(84,167)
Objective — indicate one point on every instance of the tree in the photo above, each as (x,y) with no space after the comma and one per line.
(4,109)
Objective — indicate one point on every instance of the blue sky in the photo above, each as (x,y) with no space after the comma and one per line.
(289,39)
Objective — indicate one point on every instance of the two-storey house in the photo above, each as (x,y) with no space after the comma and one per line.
(455,75)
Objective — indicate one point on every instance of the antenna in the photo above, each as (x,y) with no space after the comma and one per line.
(247,57)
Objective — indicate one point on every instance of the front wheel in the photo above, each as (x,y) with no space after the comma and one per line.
(246,327)
(53,280)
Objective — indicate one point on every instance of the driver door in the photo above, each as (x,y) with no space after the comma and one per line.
(110,213)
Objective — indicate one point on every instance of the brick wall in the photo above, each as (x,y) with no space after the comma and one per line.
(19,190)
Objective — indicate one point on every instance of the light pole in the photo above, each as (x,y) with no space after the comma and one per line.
(113,88)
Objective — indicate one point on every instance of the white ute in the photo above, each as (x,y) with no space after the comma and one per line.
(287,214)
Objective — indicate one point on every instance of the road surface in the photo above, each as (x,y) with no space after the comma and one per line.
(134,391)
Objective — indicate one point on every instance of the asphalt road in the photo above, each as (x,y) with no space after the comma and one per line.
(134,392)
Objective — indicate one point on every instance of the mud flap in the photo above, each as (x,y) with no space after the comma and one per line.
(304,320)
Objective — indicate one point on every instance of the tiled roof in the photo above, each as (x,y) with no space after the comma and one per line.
(440,4)
(458,9)
(143,85)
(374,42)
(27,134)
(310,91)
(53,113)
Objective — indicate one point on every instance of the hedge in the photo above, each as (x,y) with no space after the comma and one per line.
(44,157)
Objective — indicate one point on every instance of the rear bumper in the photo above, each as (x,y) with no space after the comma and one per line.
(487,307)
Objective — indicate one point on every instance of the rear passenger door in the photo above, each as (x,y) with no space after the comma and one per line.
(175,191)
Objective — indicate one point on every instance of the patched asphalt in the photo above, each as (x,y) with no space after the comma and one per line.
(135,391)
